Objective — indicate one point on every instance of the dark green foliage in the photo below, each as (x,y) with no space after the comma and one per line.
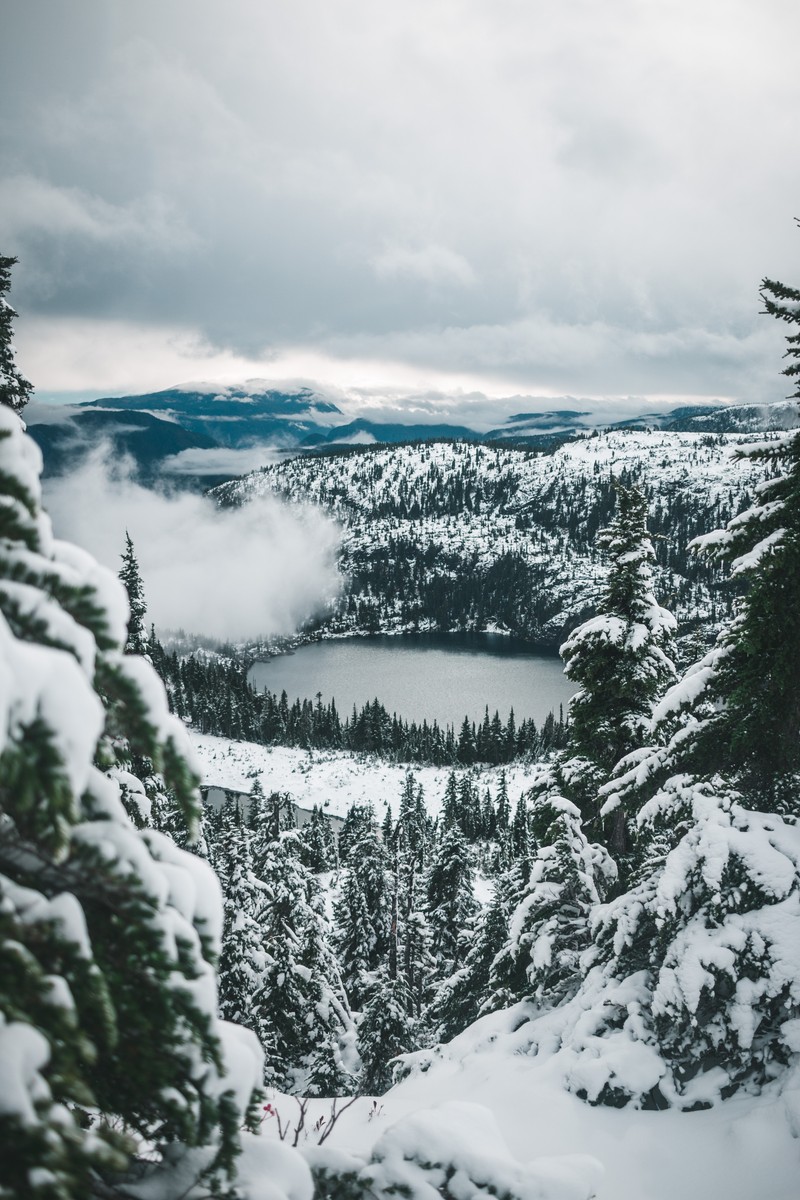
(451,903)
(385,1030)
(15,390)
(106,949)
(242,958)
(461,997)
(299,1008)
(317,843)
(363,911)
(138,642)
(619,659)
(757,730)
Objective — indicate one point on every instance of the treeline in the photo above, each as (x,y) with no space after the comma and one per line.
(216,697)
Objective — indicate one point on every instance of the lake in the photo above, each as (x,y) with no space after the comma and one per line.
(430,676)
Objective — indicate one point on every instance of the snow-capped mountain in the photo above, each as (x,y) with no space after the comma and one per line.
(235,415)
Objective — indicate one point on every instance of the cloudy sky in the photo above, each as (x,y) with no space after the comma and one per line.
(537,198)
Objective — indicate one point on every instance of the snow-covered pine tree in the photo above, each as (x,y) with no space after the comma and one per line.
(15,390)
(300,1001)
(461,998)
(362,913)
(242,958)
(147,797)
(137,641)
(550,926)
(757,726)
(318,842)
(384,1031)
(109,1036)
(693,988)
(620,660)
(452,909)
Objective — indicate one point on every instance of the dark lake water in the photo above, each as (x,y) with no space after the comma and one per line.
(442,677)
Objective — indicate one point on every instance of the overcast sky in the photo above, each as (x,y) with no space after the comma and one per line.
(530,197)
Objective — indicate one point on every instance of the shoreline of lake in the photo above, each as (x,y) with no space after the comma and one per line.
(422,676)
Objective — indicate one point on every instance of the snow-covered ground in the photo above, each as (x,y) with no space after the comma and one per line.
(743,1149)
(333,779)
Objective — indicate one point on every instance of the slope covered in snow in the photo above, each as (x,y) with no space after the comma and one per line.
(332,779)
(458,535)
(742,1149)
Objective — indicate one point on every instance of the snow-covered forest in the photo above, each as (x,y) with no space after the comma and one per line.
(575,977)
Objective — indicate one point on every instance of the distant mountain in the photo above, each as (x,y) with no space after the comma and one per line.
(363,432)
(234,416)
(559,421)
(65,438)
(152,426)
(734,418)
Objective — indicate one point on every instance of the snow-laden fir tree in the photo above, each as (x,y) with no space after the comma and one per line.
(362,912)
(550,926)
(137,641)
(300,1001)
(620,659)
(466,993)
(693,989)
(409,847)
(15,390)
(318,842)
(242,959)
(385,1030)
(109,1037)
(452,913)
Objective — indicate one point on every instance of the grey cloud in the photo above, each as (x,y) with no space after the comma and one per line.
(585,196)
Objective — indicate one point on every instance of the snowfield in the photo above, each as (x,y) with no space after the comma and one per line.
(743,1149)
(333,779)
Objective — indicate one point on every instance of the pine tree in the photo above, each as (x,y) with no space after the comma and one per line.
(300,1001)
(550,927)
(692,968)
(242,958)
(619,659)
(385,1030)
(15,390)
(137,641)
(754,683)
(363,912)
(452,907)
(461,998)
(108,934)
(318,843)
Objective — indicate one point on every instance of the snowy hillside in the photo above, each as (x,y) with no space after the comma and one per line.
(457,535)
(743,1149)
(333,780)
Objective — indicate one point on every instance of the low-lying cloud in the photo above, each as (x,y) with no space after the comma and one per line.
(235,574)
(219,460)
